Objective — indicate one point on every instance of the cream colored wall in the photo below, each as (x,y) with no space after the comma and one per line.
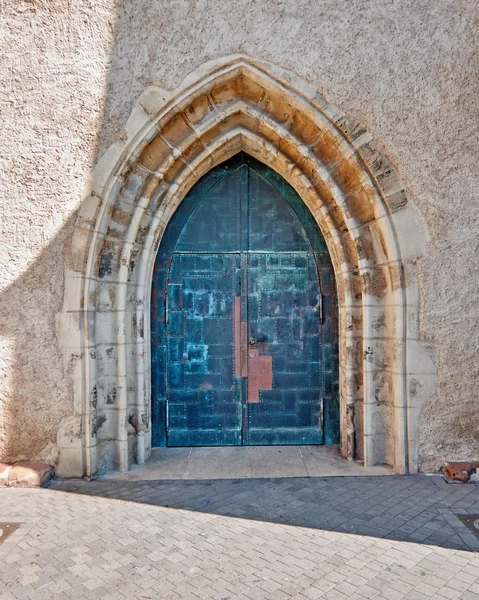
(71,72)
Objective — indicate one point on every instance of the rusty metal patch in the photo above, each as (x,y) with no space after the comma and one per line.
(6,529)
(471,522)
(260,374)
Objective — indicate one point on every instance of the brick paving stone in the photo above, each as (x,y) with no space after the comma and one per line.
(384,538)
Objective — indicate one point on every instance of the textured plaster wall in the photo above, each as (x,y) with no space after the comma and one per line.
(54,58)
(70,73)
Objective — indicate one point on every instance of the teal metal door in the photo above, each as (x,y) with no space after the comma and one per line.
(285,394)
(244,342)
(203,405)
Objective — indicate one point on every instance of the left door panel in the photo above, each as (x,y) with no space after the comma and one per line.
(204,405)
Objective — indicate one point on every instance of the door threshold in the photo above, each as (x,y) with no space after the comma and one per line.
(247,462)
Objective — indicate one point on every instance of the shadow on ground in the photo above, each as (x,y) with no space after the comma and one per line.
(417,509)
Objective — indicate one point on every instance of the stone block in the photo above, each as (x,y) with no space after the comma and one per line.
(154,154)
(25,474)
(70,463)
(153,99)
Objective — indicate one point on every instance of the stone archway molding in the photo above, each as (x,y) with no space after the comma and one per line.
(373,231)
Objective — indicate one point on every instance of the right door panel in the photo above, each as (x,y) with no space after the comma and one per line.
(284,392)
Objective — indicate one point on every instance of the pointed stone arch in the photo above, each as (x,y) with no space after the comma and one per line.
(374,235)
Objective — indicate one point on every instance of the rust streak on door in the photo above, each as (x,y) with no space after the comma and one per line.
(237,337)
(240,334)
(244,348)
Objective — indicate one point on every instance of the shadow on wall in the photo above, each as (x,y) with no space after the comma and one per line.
(36,394)
(36,398)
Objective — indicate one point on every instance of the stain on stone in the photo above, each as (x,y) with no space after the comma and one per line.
(94,397)
(120,216)
(397,280)
(415,387)
(93,354)
(375,283)
(373,158)
(365,247)
(132,263)
(378,322)
(358,379)
(350,431)
(100,421)
(357,284)
(397,201)
(141,235)
(105,267)
(368,354)
(114,232)
(358,352)
(388,179)
(380,236)
(382,385)
(138,324)
(111,395)
(75,259)
(73,362)
(353,129)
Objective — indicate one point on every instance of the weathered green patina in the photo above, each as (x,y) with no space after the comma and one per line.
(244,317)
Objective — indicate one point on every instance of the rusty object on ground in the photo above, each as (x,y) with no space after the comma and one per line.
(460,471)
(25,474)
(7,529)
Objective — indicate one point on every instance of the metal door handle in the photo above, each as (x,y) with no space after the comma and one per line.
(253,341)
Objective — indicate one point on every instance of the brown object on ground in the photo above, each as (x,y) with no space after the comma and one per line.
(25,474)
(460,471)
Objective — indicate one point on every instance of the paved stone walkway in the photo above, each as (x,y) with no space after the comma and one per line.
(389,537)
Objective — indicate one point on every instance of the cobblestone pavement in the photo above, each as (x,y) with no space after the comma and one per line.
(387,537)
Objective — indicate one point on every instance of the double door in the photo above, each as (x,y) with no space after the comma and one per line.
(244,317)
(243,349)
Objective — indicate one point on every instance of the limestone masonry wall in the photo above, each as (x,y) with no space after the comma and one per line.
(70,72)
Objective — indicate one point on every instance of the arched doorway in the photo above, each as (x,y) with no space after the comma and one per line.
(244,317)
(373,231)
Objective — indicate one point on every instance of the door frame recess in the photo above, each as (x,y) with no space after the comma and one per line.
(230,185)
